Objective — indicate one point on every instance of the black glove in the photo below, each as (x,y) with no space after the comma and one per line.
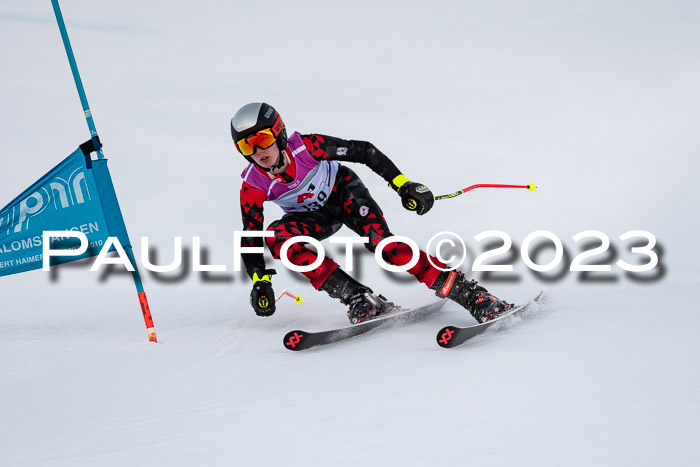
(414,196)
(262,297)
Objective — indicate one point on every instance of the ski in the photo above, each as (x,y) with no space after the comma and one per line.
(452,336)
(302,340)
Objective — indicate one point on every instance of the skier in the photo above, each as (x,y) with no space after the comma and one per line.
(303,174)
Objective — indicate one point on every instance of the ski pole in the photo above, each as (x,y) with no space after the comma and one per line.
(529,186)
(297,298)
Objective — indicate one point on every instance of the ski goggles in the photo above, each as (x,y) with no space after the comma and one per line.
(262,139)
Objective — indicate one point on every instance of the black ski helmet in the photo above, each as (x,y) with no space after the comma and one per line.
(254,117)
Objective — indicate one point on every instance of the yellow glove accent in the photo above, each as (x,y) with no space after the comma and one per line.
(398,182)
(266,277)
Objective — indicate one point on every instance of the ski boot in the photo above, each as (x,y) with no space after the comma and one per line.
(364,305)
(477,300)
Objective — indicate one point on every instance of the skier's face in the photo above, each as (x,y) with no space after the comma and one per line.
(268,157)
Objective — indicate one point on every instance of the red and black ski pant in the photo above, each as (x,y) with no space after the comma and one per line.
(352,205)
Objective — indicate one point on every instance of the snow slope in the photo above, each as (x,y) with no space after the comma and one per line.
(597,103)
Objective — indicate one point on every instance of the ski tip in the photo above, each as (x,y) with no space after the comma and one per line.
(293,340)
(444,337)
